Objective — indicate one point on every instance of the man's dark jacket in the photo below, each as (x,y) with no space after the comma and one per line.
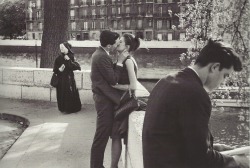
(104,74)
(175,131)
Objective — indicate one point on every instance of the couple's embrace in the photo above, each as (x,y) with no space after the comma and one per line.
(109,81)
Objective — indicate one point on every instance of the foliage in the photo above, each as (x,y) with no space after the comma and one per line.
(12,18)
(218,19)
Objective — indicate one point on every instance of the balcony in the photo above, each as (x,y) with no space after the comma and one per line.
(139,28)
(141,14)
(72,18)
(160,15)
(127,15)
(100,3)
(83,4)
(30,18)
(127,1)
(149,15)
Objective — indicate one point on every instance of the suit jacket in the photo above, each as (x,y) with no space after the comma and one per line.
(104,74)
(175,130)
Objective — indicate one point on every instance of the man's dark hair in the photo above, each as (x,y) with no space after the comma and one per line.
(108,37)
(217,51)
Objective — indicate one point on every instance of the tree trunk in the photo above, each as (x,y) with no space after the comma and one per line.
(55,31)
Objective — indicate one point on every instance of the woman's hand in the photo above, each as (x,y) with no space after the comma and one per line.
(222,147)
(121,87)
(62,68)
(66,57)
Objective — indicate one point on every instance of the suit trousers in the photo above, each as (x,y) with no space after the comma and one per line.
(104,124)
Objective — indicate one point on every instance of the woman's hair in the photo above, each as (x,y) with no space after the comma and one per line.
(68,46)
(132,41)
(217,51)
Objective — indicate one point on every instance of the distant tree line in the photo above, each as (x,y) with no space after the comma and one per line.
(12,18)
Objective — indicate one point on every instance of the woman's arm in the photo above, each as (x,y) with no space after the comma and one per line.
(121,87)
(131,74)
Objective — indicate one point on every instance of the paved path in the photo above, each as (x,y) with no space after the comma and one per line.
(9,132)
(52,140)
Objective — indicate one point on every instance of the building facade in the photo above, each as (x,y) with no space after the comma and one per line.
(147,19)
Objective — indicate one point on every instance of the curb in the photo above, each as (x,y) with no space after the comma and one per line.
(14,118)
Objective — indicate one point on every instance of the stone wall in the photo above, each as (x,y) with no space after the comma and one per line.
(33,83)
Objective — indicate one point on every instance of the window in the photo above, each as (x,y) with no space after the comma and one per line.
(127,10)
(139,24)
(85,25)
(113,10)
(119,10)
(93,12)
(149,9)
(159,24)
(128,24)
(31,26)
(182,9)
(102,25)
(181,20)
(160,10)
(38,14)
(72,2)
(93,25)
(115,24)
(84,12)
(139,10)
(73,25)
(72,14)
(170,1)
(150,23)
(30,4)
(159,1)
(168,24)
(93,2)
(30,15)
(102,2)
(84,2)
(40,26)
(38,4)
(102,11)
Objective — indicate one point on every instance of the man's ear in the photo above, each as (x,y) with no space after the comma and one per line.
(108,46)
(127,47)
(214,67)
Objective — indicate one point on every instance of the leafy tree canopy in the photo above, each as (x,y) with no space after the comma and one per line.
(12,18)
(218,19)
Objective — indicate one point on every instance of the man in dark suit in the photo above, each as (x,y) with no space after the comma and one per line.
(175,130)
(104,74)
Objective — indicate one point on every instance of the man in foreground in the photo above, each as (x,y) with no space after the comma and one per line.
(175,131)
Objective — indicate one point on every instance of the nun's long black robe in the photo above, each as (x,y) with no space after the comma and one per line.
(68,99)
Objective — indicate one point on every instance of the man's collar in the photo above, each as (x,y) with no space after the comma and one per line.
(194,70)
(105,50)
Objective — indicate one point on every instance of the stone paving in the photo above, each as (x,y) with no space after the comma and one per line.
(53,139)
